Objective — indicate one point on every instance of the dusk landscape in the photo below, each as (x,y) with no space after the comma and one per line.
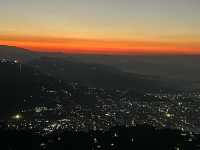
(100,74)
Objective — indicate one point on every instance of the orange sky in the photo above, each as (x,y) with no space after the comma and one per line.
(104,46)
(102,26)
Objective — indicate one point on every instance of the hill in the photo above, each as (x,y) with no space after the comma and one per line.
(94,75)
(176,72)
(23,87)
(12,53)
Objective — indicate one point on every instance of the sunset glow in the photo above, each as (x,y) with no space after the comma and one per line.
(105,27)
(107,47)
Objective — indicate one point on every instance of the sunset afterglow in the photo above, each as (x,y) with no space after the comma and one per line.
(105,27)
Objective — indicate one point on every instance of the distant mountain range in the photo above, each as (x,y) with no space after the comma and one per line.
(93,75)
(108,71)
(88,74)
(11,52)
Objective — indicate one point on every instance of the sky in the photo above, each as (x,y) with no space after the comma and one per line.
(102,26)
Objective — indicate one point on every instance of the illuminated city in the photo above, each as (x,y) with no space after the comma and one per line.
(99,75)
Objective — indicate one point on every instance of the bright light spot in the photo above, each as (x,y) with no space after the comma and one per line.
(190,139)
(168,115)
(17,116)
(115,135)
(98,146)
(95,140)
(112,144)
(16,61)
(177,148)
(132,140)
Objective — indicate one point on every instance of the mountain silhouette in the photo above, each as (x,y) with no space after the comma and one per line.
(94,75)
(12,53)
(61,66)
(23,87)
(105,71)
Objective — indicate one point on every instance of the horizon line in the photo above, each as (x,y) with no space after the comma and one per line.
(98,53)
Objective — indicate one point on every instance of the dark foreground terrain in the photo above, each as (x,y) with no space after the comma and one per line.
(44,105)
(118,138)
